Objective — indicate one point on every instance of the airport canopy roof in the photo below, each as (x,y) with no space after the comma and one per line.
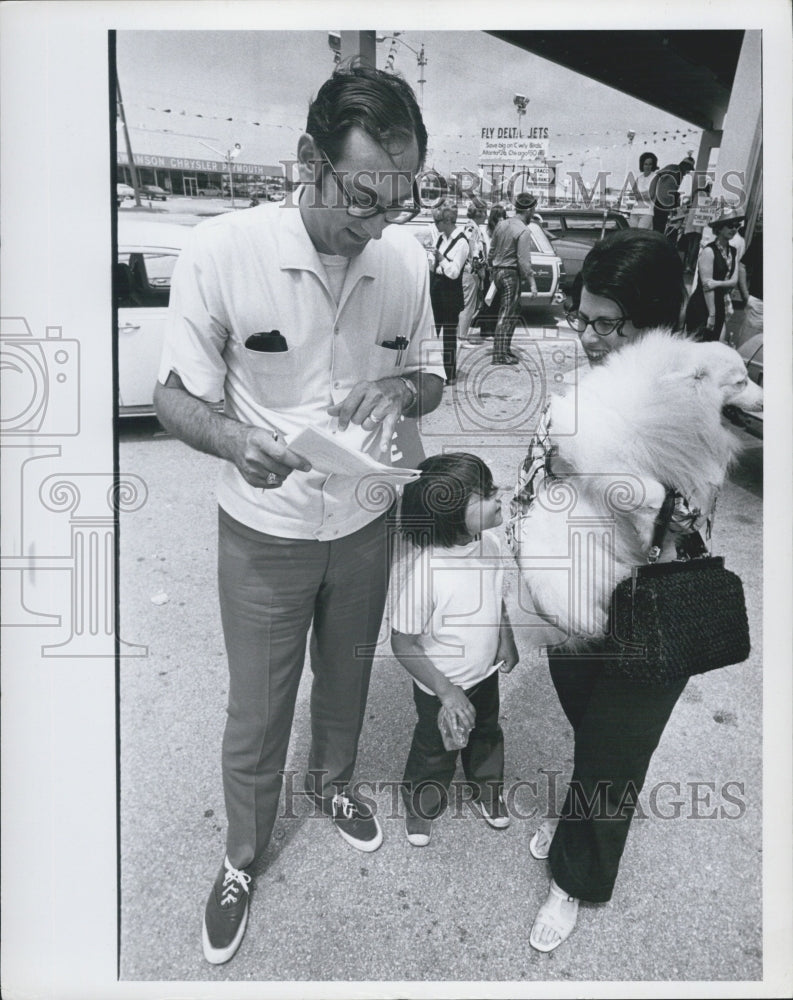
(685,73)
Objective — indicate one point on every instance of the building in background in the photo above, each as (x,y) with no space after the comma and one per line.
(177,165)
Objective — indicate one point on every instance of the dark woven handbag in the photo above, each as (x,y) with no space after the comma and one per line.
(671,620)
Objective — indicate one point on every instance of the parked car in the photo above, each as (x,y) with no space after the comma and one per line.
(147,253)
(154,192)
(210,191)
(574,231)
(124,191)
(548,268)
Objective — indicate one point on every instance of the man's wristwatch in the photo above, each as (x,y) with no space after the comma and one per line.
(411,389)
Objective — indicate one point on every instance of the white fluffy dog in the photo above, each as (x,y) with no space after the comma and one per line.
(650,416)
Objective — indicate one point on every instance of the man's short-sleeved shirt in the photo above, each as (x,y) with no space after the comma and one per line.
(511,245)
(256,271)
(451,598)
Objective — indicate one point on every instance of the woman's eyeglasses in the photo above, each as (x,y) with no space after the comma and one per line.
(603,326)
(397,214)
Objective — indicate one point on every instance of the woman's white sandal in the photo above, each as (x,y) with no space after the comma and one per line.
(552,915)
(540,843)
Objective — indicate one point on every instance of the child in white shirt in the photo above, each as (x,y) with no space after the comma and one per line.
(451,632)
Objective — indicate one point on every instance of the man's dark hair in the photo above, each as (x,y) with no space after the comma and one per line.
(433,507)
(641,271)
(381,104)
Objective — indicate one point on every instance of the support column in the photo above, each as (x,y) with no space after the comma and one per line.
(361,44)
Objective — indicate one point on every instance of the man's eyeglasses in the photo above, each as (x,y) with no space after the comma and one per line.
(397,214)
(603,326)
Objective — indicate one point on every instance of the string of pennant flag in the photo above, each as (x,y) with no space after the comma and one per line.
(679,133)
(641,139)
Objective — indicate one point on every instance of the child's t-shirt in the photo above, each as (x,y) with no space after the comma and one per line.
(451,598)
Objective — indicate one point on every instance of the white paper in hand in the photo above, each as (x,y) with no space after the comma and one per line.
(329,454)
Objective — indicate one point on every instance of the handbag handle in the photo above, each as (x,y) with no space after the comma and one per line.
(661,524)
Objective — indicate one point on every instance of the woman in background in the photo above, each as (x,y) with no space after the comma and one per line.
(717,275)
(641,216)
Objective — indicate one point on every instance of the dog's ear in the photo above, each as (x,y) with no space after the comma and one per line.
(695,373)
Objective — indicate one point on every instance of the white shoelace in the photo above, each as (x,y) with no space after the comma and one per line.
(233,880)
(342,803)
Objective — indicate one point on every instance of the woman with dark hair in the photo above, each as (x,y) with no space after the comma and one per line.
(717,275)
(641,216)
(631,282)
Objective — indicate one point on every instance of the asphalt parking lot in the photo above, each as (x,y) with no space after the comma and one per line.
(687,906)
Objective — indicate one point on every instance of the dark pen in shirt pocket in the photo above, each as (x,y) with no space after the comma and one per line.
(399,344)
(267,342)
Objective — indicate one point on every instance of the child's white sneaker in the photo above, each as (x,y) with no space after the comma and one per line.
(418,830)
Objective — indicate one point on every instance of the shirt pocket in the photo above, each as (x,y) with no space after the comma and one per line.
(385,362)
(274,377)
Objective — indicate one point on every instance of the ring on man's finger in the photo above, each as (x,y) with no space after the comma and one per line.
(273,479)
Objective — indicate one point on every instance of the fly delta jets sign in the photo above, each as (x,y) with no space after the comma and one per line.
(519,147)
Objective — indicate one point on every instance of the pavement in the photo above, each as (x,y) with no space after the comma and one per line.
(687,905)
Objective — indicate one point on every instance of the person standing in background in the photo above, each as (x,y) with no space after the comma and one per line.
(473,272)
(692,231)
(446,284)
(717,275)
(664,188)
(488,312)
(510,261)
(641,216)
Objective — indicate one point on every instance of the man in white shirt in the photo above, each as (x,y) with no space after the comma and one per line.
(450,252)
(308,313)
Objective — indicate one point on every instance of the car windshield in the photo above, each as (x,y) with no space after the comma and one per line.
(585,223)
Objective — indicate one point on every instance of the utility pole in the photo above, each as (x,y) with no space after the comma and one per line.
(132,169)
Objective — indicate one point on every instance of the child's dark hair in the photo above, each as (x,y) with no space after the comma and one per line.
(433,507)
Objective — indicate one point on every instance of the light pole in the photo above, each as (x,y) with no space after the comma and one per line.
(133,173)
(521,103)
(420,58)
(228,156)
(631,135)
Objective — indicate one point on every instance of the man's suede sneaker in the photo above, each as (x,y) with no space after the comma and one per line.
(226,914)
(354,821)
